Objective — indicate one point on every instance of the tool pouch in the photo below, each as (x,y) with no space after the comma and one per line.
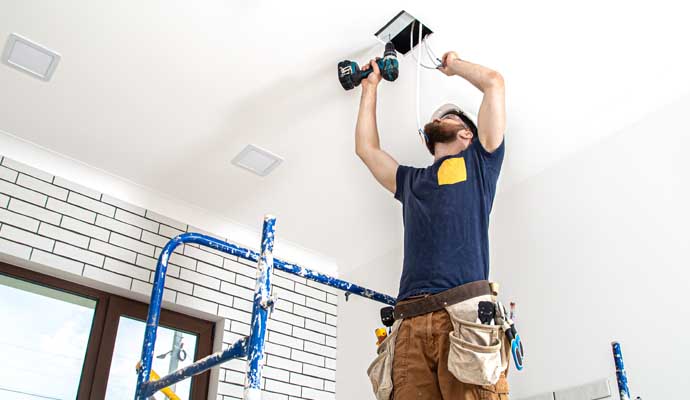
(381,369)
(476,354)
(499,391)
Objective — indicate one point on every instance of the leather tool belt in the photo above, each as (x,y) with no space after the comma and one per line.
(438,301)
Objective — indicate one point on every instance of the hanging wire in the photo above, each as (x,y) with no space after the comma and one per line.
(431,54)
(423,135)
(437,64)
(419,43)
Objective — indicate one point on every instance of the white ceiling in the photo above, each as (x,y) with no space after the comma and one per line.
(165,93)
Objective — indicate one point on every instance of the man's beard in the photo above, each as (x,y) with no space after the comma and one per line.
(438,133)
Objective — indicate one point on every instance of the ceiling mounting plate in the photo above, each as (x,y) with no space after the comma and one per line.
(257,160)
(30,57)
(398,30)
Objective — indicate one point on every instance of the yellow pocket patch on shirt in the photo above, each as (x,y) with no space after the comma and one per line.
(452,171)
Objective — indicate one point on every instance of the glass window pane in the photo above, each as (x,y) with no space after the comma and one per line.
(130,337)
(43,339)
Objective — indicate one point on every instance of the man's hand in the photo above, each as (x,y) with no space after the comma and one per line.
(374,78)
(448,63)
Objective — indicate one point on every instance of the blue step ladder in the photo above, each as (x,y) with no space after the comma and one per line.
(251,346)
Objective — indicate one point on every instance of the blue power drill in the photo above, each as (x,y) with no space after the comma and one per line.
(350,76)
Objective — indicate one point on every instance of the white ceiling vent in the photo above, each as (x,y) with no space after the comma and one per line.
(257,160)
(30,57)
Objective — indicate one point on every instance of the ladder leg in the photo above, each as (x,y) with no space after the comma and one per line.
(263,302)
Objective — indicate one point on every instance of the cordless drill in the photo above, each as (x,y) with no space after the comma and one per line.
(351,76)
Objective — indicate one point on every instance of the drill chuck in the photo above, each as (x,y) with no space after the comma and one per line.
(390,51)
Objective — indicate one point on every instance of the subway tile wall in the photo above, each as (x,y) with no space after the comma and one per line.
(63,225)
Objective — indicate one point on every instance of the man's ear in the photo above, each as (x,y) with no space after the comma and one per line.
(465,134)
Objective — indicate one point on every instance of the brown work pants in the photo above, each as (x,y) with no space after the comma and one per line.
(420,364)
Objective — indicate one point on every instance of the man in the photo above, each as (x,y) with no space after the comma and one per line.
(446,210)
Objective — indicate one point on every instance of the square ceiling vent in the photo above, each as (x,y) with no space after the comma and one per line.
(257,160)
(32,58)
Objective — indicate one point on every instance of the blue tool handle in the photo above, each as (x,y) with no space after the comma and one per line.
(518,352)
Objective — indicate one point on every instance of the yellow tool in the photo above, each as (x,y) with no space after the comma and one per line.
(153,376)
(381,335)
(166,391)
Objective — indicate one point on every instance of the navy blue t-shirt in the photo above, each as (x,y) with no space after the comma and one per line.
(446,210)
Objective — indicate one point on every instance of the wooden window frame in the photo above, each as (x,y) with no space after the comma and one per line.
(121,307)
(101,343)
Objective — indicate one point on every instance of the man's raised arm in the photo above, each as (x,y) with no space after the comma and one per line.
(491,122)
(367,146)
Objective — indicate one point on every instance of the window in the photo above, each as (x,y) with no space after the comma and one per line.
(67,341)
(172,347)
(123,334)
(45,334)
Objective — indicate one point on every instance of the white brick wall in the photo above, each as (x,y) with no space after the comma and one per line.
(66,226)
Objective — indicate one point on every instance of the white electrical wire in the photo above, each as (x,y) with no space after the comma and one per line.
(431,54)
(419,64)
(421,28)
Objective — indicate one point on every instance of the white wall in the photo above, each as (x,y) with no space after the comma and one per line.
(595,249)
(102,181)
(357,320)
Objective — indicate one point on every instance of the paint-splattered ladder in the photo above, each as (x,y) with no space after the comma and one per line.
(251,346)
